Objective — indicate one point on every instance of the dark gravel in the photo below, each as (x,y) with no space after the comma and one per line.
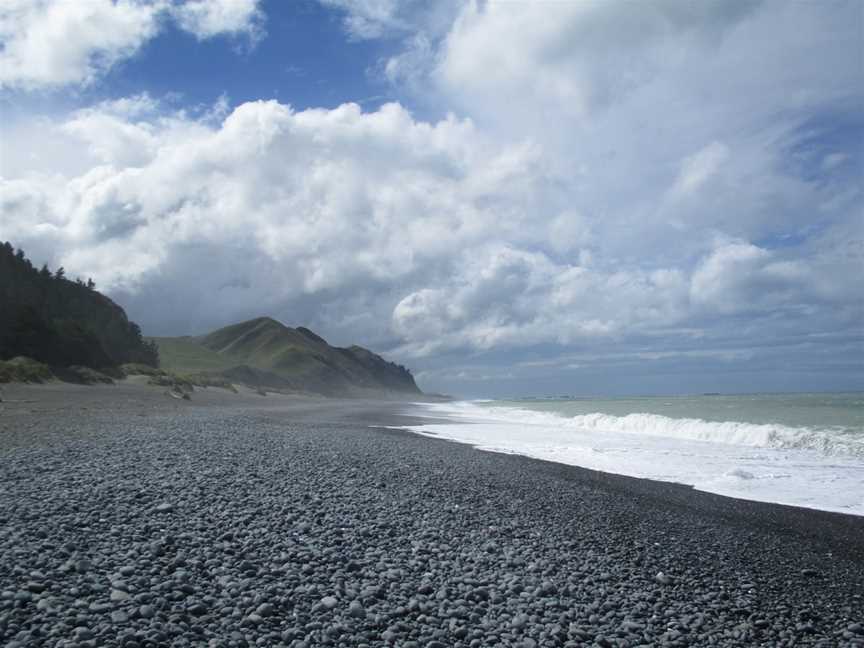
(206,527)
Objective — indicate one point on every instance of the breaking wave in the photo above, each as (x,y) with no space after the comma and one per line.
(832,442)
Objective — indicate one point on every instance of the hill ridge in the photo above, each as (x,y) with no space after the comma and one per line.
(265,352)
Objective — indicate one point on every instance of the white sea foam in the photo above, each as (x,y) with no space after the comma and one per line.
(802,466)
(826,441)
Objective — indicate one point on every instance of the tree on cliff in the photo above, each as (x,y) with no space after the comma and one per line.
(60,322)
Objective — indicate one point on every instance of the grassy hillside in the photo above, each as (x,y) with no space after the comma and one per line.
(186,355)
(265,352)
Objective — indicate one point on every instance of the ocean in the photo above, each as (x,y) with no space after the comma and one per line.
(799,449)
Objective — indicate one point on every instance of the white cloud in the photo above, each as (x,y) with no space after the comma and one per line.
(412,65)
(699,167)
(113,140)
(55,43)
(320,194)
(208,18)
(52,43)
(740,277)
(429,230)
(573,59)
(649,176)
(663,121)
(506,297)
(366,19)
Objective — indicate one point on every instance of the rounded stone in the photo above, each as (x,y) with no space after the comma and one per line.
(329,602)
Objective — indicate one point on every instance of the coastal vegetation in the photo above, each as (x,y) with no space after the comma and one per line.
(49,320)
(54,327)
(179,382)
(22,369)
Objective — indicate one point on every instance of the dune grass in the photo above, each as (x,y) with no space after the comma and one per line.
(181,381)
(136,369)
(27,370)
(209,380)
(83,375)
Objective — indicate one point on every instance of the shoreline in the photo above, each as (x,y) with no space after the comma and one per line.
(316,522)
(840,532)
(813,468)
(401,415)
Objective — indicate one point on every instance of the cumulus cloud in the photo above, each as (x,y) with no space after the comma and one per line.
(656,180)
(426,236)
(741,277)
(53,43)
(209,18)
(47,43)
(506,297)
(579,58)
(642,103)
(329,199)
(369,19)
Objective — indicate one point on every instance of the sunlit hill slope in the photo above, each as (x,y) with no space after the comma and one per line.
(265,352)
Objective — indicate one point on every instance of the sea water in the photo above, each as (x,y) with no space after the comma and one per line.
(798,449)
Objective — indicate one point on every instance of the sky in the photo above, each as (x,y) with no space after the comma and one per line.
(511,198)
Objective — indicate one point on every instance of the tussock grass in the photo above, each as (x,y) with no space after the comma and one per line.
(183,382)
(26,370)
(137,369)
(86,375)
(173,381)
(209,380)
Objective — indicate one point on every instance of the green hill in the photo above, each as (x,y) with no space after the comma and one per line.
(266,353)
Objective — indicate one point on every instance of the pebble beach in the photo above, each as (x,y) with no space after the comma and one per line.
(131,519)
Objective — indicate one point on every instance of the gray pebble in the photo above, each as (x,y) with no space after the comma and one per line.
(329,602)
(297,534)
(356,610)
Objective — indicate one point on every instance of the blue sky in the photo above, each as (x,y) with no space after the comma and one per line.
(510,198)
(305,61)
